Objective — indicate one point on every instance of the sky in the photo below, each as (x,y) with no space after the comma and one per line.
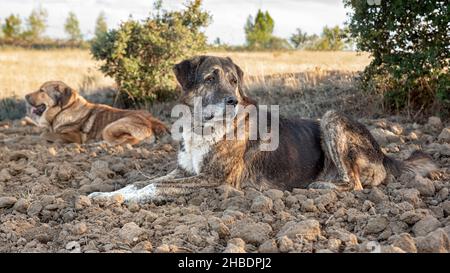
(229,16)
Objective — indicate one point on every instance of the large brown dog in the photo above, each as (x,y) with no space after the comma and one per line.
(69,118)
(337,152)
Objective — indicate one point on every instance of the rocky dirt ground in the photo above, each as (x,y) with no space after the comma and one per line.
(44,207)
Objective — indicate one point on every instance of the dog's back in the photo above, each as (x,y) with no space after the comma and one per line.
(102,116)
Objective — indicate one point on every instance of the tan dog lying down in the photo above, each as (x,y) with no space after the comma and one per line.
(68,118)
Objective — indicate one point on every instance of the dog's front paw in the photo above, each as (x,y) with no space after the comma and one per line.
(105,196)
(130,193)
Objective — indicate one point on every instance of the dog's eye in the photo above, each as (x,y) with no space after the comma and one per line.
(209,79)
(233,81)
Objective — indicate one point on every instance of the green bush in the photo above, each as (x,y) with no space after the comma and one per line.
(410,45)
(140,55)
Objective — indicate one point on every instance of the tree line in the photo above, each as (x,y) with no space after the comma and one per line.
(259,36)
(258,32)
(30,31)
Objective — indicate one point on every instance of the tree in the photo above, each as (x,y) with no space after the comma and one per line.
(36,24)
(299,38)
(139,55)
(258,32)
(12,27)
(100,25)
(410,45)
(331,39)
(72,27)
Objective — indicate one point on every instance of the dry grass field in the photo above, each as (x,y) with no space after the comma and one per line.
(24,70)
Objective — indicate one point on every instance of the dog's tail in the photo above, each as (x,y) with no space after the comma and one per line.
(418,163)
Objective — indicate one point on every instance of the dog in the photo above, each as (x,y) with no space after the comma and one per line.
(333,153)
(69,118)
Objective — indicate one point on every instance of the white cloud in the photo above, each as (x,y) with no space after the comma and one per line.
(228,16)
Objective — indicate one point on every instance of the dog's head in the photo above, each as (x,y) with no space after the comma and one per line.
(50,99)
(216,80)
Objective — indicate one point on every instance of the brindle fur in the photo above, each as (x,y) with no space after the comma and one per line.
(69,118)
(335,152)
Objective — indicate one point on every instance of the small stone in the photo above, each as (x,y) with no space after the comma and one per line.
(261,203)
(143,247)
(34,209)
(443,194)
(412,217)
(227,191)
(376,224)
(131,233)
(411,196)
(4,175)
(334,244)
(403,241)
(82,202)
(434,122)
(326,199)
(7,201)
(391,249)
(444,136)
(269,246)
(100,169)
(384,137)
(285,244)
(308,206)
(235,245)
(308,229)
(377,196)
(164,248)
(251,232)
(52,151)
(274,194)
(345,236)
(446,207)
(79,228)
(217,225)
(426,225)
(133,207)
(21,205)
(434,242)
(424,185)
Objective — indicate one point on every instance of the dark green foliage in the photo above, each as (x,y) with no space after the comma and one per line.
(410,45)
(140,55)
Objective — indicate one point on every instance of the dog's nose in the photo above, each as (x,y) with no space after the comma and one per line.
(231,101)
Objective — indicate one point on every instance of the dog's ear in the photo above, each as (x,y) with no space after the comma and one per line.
(185,71)
(66,94)
(61,94)
(240,90)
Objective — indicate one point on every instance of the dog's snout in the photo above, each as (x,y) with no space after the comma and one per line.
(231,101)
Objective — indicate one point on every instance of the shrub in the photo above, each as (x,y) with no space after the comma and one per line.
(140,55)
(410,44)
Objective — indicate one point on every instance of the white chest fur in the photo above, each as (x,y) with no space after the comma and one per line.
(195,147)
